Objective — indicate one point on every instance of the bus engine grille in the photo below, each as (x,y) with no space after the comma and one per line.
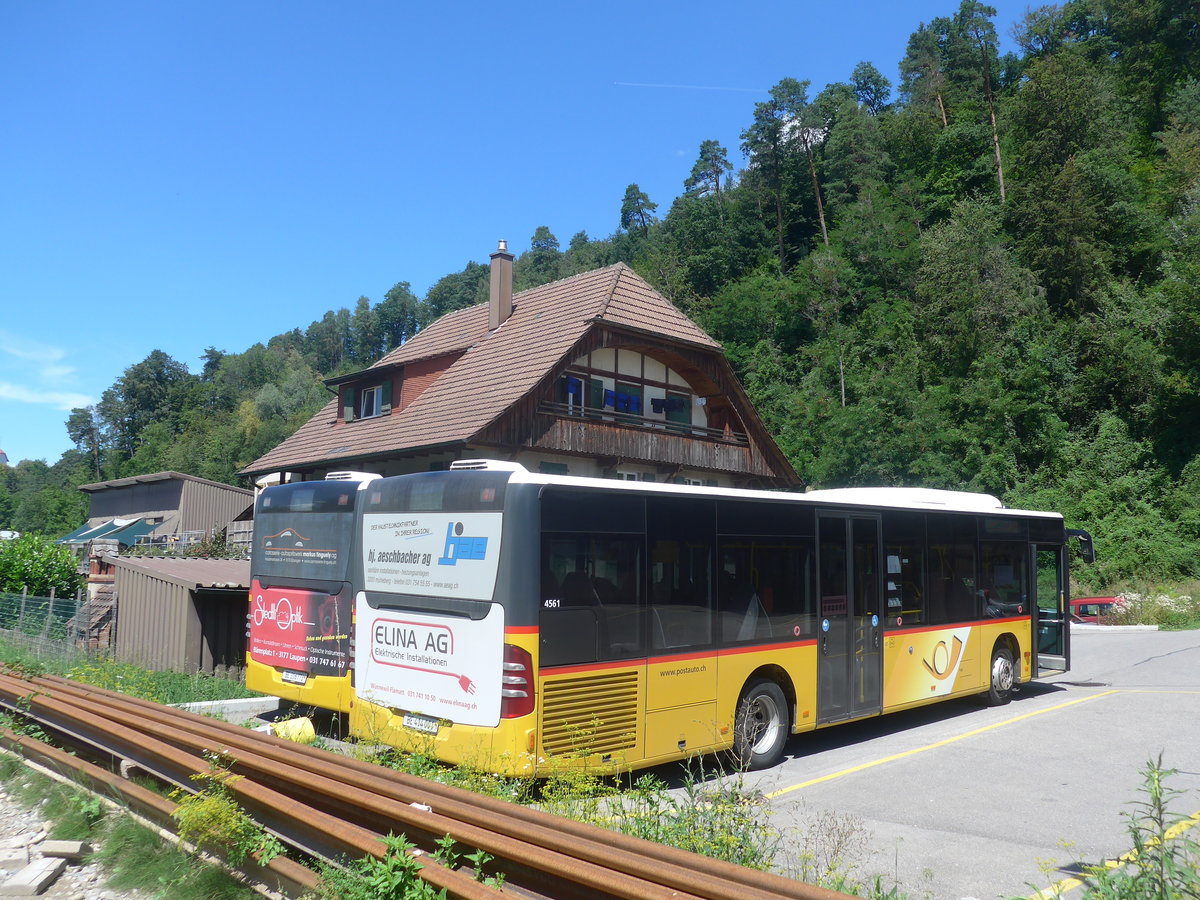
(590,715)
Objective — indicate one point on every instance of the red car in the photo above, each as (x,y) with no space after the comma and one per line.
(1092,609)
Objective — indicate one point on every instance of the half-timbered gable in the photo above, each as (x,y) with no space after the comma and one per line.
(597,374)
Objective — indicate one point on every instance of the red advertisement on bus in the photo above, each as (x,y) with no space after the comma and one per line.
(300,630)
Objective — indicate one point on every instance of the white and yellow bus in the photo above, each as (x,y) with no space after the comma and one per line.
(302,565)
(527,623)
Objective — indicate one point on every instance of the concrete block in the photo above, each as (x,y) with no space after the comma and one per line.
(234,710)
(66,849)
(13,858)
(33,879)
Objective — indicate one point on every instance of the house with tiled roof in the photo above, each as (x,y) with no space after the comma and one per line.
(597,374)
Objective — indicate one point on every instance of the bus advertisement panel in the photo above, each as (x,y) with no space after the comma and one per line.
(441,667)
(301,592)
(445,667)
(300,631)
(438,555)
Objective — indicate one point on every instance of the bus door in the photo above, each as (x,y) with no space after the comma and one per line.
(850,629)
(1053,622)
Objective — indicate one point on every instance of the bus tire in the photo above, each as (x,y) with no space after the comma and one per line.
(1002,677)
(760,726)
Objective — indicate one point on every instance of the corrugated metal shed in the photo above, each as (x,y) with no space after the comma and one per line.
(181,614)
(174,501)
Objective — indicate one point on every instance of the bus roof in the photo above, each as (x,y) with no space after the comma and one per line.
(907,498)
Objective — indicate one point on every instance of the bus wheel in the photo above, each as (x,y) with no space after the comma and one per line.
(1003,675)
(760,727)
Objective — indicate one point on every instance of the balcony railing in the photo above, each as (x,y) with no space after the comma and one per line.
(634,420)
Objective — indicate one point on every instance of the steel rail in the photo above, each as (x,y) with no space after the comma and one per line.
(598,861)
(419,822)
(281,874)
(674,868)
(333,836)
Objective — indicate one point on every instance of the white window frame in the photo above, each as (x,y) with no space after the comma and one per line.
(374,395)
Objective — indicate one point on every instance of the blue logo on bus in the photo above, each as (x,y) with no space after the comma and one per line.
(460,547)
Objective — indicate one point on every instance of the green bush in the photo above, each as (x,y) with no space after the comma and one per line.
(37,565)
(1168,610)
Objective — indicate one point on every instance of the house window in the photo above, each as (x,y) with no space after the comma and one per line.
(627,398)
(576,392)
(553,468)
(370,402)
(679,408)
(570,394)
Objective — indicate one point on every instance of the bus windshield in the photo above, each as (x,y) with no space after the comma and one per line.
(304,531)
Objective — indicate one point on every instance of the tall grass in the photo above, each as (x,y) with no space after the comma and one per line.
(105,672)
(134,857)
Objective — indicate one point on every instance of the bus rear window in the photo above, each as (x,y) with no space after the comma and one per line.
(439,492)
(308,497)
(306,545)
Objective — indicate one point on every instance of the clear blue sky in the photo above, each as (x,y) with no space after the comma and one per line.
(188,174)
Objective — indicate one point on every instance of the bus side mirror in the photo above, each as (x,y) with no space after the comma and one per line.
(1086,548)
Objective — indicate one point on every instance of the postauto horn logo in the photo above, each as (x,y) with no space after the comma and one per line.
(460,546)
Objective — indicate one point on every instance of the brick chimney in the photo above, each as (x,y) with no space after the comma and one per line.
(500,304)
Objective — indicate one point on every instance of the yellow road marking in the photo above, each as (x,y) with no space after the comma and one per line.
(1069,884)
(895,756)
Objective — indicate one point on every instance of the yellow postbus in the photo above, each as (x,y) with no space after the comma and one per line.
(302,564)
(526,623)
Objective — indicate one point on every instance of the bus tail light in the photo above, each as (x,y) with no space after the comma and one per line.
(517,692)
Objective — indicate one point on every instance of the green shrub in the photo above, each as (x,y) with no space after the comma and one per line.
(1167,610)
(34,564)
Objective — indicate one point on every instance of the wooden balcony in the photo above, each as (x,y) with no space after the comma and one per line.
(634,420)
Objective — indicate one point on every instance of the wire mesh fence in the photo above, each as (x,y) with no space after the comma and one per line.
(57,626)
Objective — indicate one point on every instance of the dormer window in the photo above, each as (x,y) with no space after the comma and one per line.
(370,401)
(367,402)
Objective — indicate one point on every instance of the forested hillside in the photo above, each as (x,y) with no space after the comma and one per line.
(984,277)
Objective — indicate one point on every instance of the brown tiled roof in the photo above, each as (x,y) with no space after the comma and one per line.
(496,370)
(454,331)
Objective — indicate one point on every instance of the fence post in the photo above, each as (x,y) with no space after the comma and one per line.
(49,615)
(21,618)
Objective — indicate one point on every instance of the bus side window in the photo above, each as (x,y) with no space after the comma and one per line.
(680,539)
(1002,578)
(591,598)
(905,599)
(570,635)
(765,589)
(953,589)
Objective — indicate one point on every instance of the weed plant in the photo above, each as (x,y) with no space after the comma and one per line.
(1164,863)
(211,817)
(394,877)
(419,759)
(710,813)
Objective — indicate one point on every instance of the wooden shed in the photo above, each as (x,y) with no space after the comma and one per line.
(181,614)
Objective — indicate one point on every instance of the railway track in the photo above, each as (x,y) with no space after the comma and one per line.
(331,806)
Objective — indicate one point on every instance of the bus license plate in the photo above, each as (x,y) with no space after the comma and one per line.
(421,723)
(294,677)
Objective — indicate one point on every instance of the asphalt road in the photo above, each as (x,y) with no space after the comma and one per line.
(961,800)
